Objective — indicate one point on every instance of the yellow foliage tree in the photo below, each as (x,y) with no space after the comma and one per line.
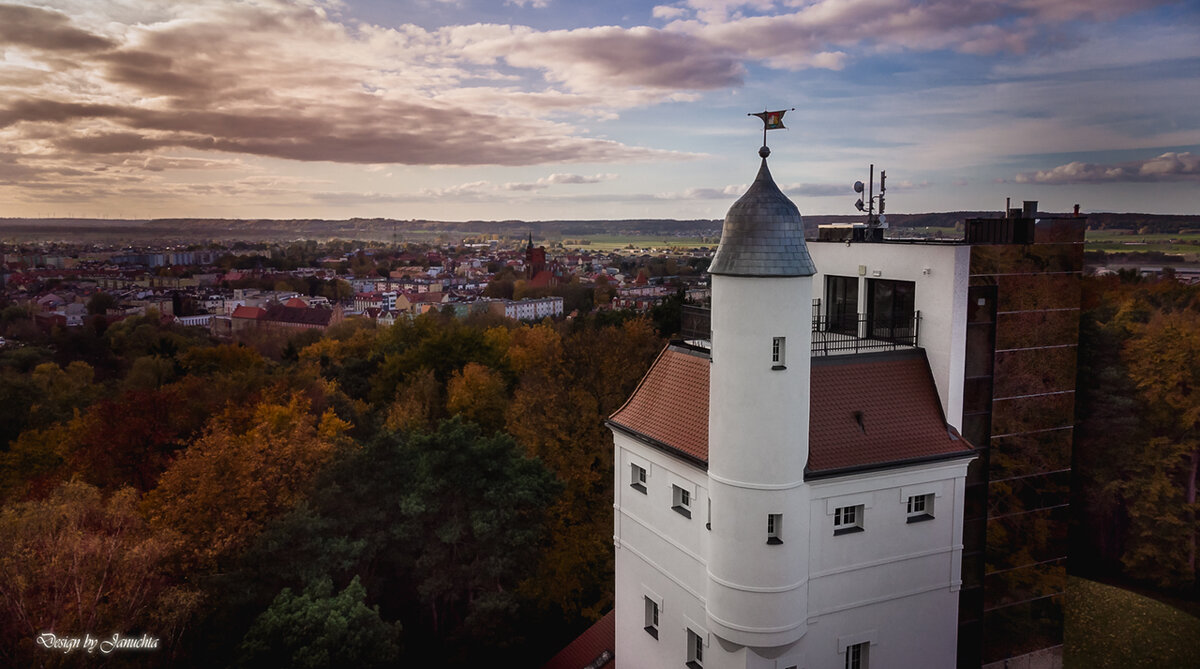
(231,481)
(479,394)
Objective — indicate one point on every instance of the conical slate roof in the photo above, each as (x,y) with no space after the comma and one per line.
(763,234)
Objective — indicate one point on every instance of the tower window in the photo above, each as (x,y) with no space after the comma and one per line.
(637,478)
(774,528)
(920,507)
(681,501)
(778,351)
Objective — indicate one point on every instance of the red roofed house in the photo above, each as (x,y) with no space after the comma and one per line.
(280,316)
(775,509)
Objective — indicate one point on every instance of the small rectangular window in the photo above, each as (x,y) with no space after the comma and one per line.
(920,507)
(847,519)
(651,617)
(695,650)
(856,656)
(774,528)
(681,501)
(778,351)
(637,478)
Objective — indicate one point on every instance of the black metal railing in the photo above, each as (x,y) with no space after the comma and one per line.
(856,333)
(843,333)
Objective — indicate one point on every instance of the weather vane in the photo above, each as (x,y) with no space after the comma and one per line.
(772,120)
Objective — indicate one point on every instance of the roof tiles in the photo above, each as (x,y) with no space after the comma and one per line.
(868,410)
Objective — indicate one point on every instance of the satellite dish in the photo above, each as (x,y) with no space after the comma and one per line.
(859,204)
(858,188)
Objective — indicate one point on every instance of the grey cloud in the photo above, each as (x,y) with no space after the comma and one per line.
(153,73)
(47,30)
(1166,167)
(633,57)
(818,190)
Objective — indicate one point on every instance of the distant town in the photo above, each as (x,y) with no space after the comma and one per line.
(230,276)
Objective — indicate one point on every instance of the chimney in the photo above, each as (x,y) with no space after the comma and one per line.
(1030,209)
(1076,211)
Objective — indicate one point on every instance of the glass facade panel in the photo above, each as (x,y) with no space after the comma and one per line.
(1026,583)
(1027,329)
(1027,414)
(1031,292)
(1034,371)
(1031,453)
(1023,259)
(1026,538)
(1023,628)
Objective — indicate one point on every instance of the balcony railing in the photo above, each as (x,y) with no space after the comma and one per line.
(843,334)
(856,333)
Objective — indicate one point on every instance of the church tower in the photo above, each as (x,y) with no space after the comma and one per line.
(758,423)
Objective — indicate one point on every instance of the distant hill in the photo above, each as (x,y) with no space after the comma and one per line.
(383,229)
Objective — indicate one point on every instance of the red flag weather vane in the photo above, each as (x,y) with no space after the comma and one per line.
(772,120)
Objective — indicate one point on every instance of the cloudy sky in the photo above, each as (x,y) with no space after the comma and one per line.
(549,109)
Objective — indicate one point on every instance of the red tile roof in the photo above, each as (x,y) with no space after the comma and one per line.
(300,316)
(593,649)
(867,410)
(670,405)
(244,311)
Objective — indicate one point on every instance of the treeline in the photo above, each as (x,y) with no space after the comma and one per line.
(1137,443)
(437,493)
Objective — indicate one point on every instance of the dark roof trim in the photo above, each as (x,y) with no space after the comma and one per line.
(651,441)
(871,356)
(845,471)
(681,346)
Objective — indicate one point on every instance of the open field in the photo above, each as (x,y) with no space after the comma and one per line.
(1110,627)
(614,242)
(1124,241)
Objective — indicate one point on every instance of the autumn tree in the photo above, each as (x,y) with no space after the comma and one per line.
(78,562)
(479,394)
(1163,358)
(567,387)
(235,478)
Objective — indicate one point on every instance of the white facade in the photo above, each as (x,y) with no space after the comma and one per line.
(740,552)
(534,309)
(940,273)
(893,586)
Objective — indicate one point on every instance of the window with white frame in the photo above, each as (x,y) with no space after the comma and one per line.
(778,352)
(637,477)
(774,528)
(847,519)
(856,655)
(651,617)
(681,501)
(920,507)
(695,650)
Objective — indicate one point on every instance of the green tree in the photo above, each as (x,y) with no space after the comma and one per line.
(319,628)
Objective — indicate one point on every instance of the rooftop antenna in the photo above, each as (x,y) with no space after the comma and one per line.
(873,220)
(772,120)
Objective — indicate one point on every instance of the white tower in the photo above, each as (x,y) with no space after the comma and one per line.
(757,588)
